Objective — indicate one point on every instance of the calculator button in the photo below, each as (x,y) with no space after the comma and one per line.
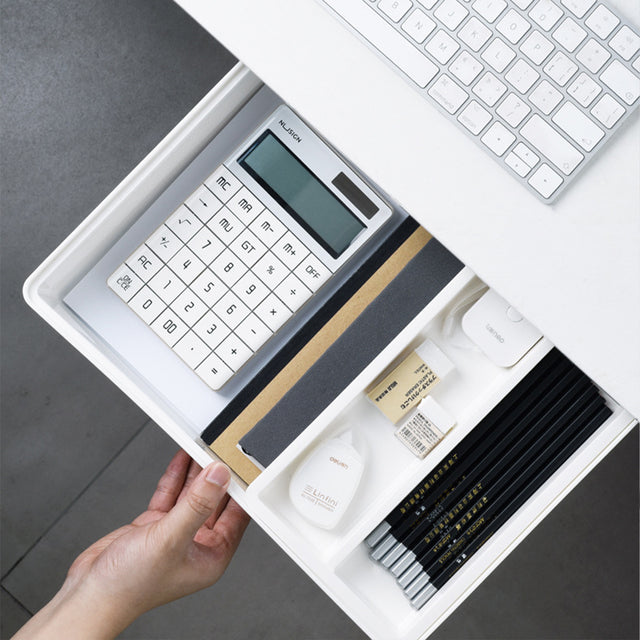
(245,206)
(233,352)
(204,204)
(164,243)
(183,223)
(206,246)
(189,307)
(186,265)
(312,272)
(125,283)
(251,290)
(270,270)
(223,184)
(292,292)
(169,327)
(213,372)
(211,329)
(228,267)
(147,305)
(248,248)
(191,349)
(226,226)
(231,309)
(144,263)
(253,332)
(290,250)
(208,287)
(167,285)
(273,312)
(267,228)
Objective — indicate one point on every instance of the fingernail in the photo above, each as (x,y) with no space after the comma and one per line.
(218,474)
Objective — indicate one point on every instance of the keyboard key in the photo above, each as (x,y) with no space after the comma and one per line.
(498,138)
(517,164)
(625,42)
(608,111)
(545,181)
(569,35)
(489,89)
(191,349)
(428,4)
(395,9)
(466,68)
(292,292)
(545,97)
(312,272)
(184,223)
(418,25)
(536,47)
(498,55)
(186,265)
(636,64)
(204,204)
(169,327)
(579,8)
(474,117)
(547,141)
(513,110)
(245,206)
(577,126)
(231,309)
(448,94)
(474,34)
(621,81)
(164,243)
(167,285)
(189,307)
(248,248)
(602,22)
(545,13)
(513,26)
(208,287)
(584,90)
(144,263)
(526,155)
(560,68)
(253,332)
(213,372)
(251,290)
(522,76)
(233,352)
(125,283)
(593,56)
(211,329)
(489,9)
(451,13)
(273,312)
(228,267)
(522,4)
(442,47)
(388,41)
(223,184)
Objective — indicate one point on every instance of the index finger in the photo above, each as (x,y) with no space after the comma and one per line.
(171,483)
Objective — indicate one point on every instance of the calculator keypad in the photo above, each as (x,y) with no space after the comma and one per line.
(219,277)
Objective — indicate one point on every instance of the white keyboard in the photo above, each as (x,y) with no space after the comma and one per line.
(540,85)
(219,278)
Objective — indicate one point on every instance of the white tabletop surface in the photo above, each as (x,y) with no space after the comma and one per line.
(572,268)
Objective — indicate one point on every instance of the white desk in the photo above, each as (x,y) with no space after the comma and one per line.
(546,260)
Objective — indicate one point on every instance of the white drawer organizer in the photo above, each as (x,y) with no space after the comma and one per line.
(337,560)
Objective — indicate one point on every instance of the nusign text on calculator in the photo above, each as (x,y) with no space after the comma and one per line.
(242,254)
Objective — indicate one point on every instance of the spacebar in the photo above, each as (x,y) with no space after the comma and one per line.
(384,38)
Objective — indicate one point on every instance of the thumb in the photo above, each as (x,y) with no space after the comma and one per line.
(202,499)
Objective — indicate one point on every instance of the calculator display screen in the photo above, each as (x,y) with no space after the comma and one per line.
(301,193)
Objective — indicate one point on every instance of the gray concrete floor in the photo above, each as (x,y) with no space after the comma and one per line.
(88,88)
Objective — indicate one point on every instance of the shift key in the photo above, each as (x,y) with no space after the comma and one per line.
(551,144)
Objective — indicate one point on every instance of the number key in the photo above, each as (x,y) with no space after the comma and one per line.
(186,265)
(231,309)
(169,327)
(211,329)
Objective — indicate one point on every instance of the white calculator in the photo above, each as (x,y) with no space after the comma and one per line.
(249,247)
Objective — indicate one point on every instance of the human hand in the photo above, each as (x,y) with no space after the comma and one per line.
(182,543)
